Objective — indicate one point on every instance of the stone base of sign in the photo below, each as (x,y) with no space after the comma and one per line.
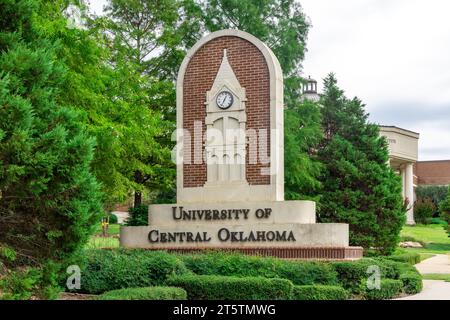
(249,235)
(296,253)
(284,229)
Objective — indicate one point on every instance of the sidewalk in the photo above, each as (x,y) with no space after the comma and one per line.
(433,289)
(440,263)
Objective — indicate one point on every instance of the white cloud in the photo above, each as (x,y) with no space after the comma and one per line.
(394,55)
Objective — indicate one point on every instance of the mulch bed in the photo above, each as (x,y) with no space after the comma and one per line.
(76,296)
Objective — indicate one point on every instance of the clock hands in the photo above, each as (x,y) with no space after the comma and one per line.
(224,100)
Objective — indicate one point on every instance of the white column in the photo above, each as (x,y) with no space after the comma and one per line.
(403,176)
(409,193)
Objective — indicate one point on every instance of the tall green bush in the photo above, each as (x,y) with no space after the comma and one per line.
(49,200)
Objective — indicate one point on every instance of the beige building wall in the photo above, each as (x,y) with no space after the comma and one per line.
(403,154)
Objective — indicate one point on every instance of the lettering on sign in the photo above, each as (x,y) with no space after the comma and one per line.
(224,234)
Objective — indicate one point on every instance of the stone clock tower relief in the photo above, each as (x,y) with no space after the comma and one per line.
(230,165)
(225,122)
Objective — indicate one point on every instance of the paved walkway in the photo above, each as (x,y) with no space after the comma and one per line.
(440,263)
(433,289)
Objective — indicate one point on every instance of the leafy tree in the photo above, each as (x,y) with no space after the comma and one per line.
(445,210)
(359,187)
(148,40)
(113,98)
(49,199)
(302,132)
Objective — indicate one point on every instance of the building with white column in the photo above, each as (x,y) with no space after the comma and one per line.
(403,151)
(403,154)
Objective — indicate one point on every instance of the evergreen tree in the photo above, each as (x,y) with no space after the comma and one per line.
(358,186)
(302,133)
(49,200)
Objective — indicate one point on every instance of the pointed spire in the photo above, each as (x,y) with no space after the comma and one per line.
(225,73)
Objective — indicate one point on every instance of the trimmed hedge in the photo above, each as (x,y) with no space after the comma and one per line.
(148,293)
(127,268)
(389,288)
(319,292)
(226,264)
(352,273)
(409,257)
(232,288)
(412,282)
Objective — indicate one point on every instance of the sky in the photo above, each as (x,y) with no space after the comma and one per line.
(393,54)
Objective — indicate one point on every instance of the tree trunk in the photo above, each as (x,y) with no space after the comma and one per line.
(138,178)
(137,198)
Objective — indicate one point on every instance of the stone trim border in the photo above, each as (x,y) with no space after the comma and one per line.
(299,253)
(276,188)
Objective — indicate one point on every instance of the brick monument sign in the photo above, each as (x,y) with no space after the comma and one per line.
(230,170)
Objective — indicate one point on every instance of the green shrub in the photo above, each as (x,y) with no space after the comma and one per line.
(148,293)
(435,193)
(19,285)
(412,282)
(138,216)
(126,268)
(424,209)
(319,292)
(410,257)
(352,273)
(112,218)
(389,288)
(444,207)
(299,272)
(232,288)
(440,221)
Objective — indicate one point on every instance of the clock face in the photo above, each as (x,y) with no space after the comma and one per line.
(224,100)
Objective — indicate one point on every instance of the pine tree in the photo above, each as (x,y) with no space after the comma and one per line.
(359,187)
(302,133)
(49,200)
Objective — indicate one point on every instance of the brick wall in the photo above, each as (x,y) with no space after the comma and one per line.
(250,67)
(433,172)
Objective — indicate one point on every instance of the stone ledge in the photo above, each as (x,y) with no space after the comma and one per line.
(293,253)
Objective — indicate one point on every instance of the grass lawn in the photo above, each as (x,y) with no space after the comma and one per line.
(433,236)
(97,241)
(436,276)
